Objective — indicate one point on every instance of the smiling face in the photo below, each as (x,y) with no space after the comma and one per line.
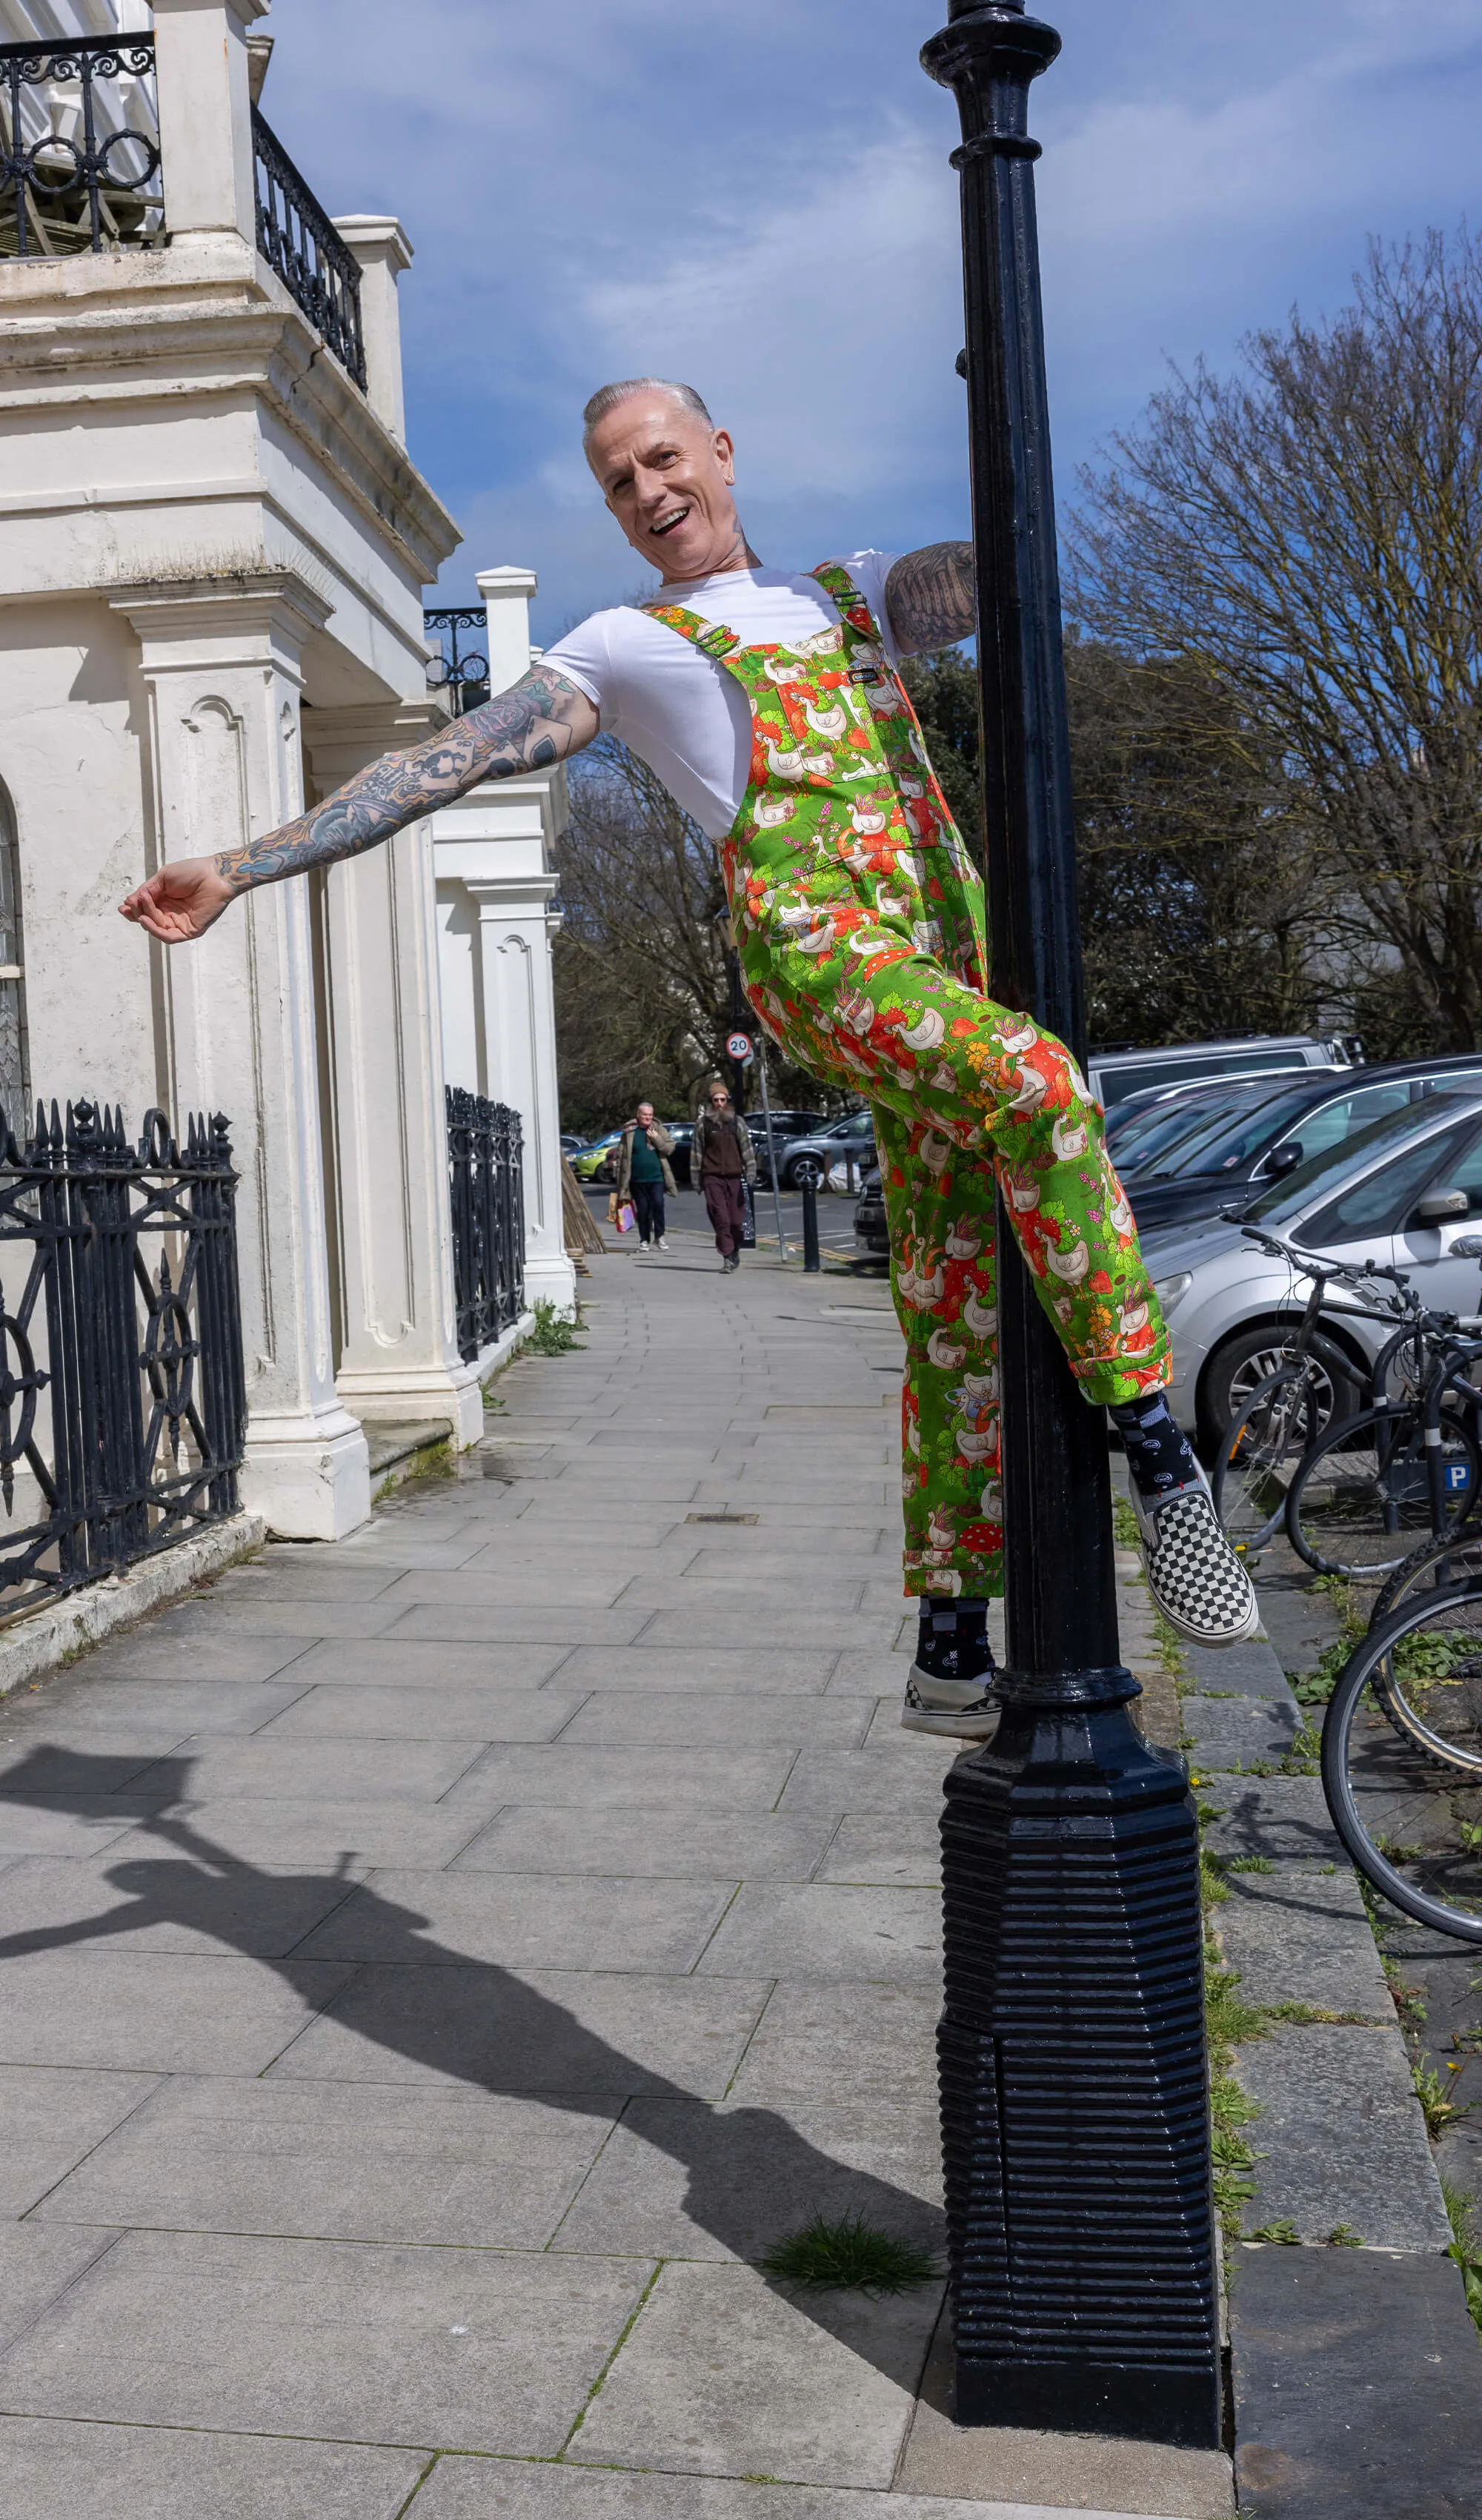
(667,478)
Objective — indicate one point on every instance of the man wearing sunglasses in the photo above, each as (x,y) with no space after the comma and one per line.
(724,1160)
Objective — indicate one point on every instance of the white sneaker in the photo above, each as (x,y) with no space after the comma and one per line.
(661,1244)
(957,1708)
(642,1252)
(1193,1575)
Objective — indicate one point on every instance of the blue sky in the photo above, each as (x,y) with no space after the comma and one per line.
(757,199)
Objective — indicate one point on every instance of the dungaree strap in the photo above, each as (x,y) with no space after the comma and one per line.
(837,582)
(711,637)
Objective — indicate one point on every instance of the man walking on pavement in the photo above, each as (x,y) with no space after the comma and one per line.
(724,1160)
(769,703)
(642,1168)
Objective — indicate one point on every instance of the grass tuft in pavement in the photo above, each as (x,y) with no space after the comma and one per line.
(553,1334)
(848,2255)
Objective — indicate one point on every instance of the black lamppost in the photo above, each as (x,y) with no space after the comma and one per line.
(1074,2104)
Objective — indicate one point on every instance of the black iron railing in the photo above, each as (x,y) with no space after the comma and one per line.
(297,236)
(122,1401)
(485,1168)
(79,152)
(463,669)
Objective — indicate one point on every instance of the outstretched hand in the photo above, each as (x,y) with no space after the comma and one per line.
(180,902)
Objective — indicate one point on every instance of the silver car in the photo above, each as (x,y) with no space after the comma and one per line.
(1400,1192)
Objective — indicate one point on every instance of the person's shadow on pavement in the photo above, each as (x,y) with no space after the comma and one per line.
(751,2176)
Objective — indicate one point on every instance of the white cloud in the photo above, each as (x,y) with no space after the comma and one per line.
(760,199)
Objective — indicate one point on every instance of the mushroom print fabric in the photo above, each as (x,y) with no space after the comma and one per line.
(859,919)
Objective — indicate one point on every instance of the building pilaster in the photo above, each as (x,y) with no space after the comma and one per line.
(387,1117)
(221,665)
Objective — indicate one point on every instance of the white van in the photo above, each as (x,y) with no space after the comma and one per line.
(1116,1073)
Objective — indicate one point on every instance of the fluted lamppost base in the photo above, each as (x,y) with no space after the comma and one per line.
(1073,2093)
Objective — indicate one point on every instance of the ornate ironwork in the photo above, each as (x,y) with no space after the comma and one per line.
(486,1183)
(123,1394)
(462,672)
(76,174)
(297,236)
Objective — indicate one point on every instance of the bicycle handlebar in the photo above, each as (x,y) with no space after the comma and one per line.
(1309,1266)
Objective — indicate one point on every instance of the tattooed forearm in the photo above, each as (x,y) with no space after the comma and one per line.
(930,598)
(531,726)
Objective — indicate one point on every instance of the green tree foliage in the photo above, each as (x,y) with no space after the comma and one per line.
(1303,540)
(642,996)
(1199,906)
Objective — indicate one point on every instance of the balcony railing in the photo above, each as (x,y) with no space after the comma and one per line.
(486,1185)
(297,236)
(79,157)
(122,1406)
(463,669)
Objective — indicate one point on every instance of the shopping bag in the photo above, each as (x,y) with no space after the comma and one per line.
(748,1219)
(626,1217)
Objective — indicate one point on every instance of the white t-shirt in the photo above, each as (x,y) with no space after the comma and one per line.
(685,714)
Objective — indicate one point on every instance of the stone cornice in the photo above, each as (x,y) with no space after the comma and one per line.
(188,324)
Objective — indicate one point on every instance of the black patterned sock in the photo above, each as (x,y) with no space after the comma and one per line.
(951,1641)
(1159,1454)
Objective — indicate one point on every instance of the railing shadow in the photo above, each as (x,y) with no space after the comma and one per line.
(751,2176)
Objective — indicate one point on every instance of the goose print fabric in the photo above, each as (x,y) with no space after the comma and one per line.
(859,919)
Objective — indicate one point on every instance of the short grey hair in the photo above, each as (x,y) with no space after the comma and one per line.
(608,397)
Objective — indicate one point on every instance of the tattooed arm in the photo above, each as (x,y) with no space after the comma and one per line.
(929,597)
(531,726)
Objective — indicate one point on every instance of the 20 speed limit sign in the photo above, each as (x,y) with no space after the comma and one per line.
(739,1045)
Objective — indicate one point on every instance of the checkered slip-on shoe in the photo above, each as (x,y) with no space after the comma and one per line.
(957,1708)
(1194,1574)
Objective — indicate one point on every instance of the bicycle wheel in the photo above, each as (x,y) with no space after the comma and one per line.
(1361,1499)
(1408,1814)
(1454,1558)
(1260,1452)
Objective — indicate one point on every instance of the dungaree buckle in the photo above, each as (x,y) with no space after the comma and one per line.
(718,642)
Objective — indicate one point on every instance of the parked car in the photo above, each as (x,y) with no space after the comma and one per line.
(814,1155)
(785,1125)
(569,1145)
(594,1161)
(1399,1192)
(871,1231)
(1226,1147)
(1114,1074)
(683,1134)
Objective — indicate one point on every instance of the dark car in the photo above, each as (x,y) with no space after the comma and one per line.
(1213,1151)
(870,1229)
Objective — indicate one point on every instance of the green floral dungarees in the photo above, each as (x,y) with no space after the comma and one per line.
(859,918)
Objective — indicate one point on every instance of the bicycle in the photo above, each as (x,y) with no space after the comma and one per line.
(1404,1793)
(1371,1483)
(1315,1384)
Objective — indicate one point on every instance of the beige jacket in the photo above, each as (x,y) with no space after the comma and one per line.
(662,1145)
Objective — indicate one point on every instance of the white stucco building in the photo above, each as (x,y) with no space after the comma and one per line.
(213,551)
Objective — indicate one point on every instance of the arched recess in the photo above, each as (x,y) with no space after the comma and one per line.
(15,1064)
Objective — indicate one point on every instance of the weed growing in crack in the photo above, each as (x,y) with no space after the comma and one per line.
(1465,2246)
(1438,2110)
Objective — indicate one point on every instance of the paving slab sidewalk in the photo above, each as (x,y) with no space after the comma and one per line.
(432,1969)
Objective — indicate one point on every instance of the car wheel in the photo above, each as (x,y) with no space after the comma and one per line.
(1246,1359)
(804,1169)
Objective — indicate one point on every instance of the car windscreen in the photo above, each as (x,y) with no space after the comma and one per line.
(1233,1134)
(1188,1119)
(1351,1156)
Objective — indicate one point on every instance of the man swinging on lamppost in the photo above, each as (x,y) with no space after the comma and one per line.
(770,706)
